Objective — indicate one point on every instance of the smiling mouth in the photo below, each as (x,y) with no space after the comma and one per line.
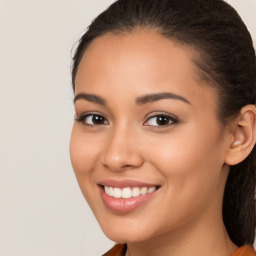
(126,195)
(128,192)
(125,199)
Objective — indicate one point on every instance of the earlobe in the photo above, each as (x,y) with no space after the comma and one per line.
(243,136)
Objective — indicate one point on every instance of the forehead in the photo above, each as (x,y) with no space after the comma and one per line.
(147,46)
(143,61)
(143,49)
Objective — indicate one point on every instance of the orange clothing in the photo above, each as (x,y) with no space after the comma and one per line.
(117,250)
(120,250)
(246,250)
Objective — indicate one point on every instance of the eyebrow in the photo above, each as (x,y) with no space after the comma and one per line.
(148,98)
(90,97)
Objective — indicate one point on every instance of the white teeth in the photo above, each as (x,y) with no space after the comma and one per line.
(128,192)
(151,189)
(106,189)
(117,193)
(136,192)
(144,191)
(111,191)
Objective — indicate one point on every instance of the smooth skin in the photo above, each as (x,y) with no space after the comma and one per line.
(177,142)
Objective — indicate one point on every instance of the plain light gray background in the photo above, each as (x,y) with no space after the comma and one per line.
(42,212)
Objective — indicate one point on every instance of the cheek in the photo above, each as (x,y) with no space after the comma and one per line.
(191,161)
(84,152)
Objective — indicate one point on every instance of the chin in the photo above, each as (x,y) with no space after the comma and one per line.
(129,234)
(123,237)
(130,231)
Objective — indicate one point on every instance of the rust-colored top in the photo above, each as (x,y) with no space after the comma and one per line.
(120,250)
(246,250)
(117,250)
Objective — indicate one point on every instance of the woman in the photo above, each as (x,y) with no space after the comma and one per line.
(165,127)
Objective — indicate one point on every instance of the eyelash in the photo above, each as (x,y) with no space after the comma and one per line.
(171,120)
(166,117)
(83,117)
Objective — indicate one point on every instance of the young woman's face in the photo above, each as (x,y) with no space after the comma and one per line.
(147,147)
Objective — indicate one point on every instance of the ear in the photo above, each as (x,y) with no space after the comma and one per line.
(243,136)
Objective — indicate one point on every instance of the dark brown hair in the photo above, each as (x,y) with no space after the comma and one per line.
(227,62)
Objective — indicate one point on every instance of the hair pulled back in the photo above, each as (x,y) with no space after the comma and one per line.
(226,61)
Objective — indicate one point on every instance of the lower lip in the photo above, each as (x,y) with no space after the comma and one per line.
(122,205)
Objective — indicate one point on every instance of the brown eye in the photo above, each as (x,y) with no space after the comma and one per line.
(92,119)
(97,119)
(160,120)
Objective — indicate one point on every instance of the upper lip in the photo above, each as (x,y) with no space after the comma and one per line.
(125,183)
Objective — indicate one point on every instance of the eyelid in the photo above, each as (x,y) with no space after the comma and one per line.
(83,116)
(173,119)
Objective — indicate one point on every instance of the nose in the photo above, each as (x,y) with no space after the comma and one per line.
(122,151)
